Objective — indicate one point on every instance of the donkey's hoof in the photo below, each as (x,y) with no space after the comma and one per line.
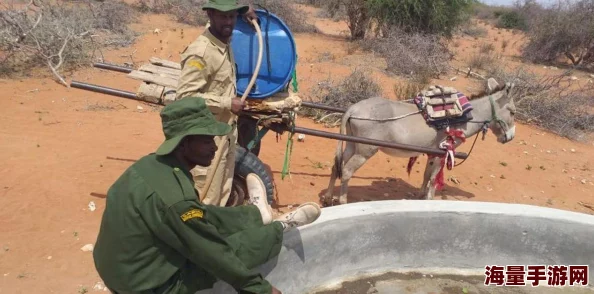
(327,201)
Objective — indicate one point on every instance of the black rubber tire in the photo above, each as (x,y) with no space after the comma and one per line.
(239,192)
(245,164)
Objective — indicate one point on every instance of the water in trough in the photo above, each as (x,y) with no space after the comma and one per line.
(417,283)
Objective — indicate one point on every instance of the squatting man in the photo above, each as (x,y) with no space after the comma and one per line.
(156,236)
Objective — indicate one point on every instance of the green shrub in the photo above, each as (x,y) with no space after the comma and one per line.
(512,20)
(424,16)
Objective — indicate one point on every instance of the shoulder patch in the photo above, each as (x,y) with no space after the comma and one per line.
(199,64)
(192,213)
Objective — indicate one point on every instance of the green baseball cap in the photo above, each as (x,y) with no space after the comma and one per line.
(225,5)
(185,117)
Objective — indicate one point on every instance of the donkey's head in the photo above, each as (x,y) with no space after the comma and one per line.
(503,110)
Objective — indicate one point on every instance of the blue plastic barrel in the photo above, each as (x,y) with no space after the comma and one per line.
(283,55)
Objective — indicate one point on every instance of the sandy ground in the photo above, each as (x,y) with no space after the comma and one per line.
(61,149)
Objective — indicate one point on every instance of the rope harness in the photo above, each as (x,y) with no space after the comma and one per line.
(449,143)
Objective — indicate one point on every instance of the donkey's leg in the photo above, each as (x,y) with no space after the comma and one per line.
(431,170)
(347,153)
(354,162)
(327,198)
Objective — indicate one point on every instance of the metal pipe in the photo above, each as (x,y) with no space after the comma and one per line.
(298,130)
(113,67)
(427,150)
(123,69)
(105,90)
(323,107)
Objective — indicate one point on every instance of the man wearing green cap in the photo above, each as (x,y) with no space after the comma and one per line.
(157,237)
(208,70)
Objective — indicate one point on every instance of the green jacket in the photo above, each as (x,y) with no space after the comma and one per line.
(153,226)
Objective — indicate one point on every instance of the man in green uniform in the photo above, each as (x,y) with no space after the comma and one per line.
(157,237)
(208,70)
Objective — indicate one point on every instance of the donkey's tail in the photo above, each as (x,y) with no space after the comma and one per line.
(339,146)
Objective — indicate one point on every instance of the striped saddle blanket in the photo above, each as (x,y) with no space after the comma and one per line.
(443,106)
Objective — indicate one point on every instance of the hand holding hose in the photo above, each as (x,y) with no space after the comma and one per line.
(250,15)
(237,105)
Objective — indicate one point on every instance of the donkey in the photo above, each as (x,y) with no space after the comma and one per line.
(401,122)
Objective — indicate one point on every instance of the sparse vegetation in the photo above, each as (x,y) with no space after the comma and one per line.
(352,89)
(504,44)
(58,35)
(440,17)
(473,30)
(293,18)
(410,88)
(190,11)
(486,48)
(480,60)
(414,55)
(549,102)
(185,11)
(425,16)
(511,20)
(563,31)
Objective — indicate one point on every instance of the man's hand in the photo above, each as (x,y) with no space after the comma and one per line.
(250,15)
(276,291)
(236,105)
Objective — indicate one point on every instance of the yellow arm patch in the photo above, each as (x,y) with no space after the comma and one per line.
(197,64)
(193,213)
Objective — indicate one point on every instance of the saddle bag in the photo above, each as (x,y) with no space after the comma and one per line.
(441,102)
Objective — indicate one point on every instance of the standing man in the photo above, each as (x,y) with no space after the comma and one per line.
(157,237)
(208,70)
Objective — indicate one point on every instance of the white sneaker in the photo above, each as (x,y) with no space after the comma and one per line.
(257,193)
(305,214)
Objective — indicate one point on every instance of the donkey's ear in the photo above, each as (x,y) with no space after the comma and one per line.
(492,85)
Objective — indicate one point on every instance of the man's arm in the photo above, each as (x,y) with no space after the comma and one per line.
(193,78)
(206,248)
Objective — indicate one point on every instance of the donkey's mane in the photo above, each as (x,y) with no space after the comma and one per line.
(485,92)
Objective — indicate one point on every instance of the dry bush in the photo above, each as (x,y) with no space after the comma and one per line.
(190,11)
(484,11)
(59,35)
(412,54)
(564,30)
(314,3)
(185,11)
(481,61)
(486,48)
(329,8)
(295,20)
(473,30)
(410,89)
(549,102)
(504,44)
(352,89)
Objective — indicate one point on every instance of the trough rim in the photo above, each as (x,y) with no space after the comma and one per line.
(367,208)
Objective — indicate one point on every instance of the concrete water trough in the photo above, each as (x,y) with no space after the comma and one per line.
(428,247)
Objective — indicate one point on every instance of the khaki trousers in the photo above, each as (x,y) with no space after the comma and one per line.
(220,188)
